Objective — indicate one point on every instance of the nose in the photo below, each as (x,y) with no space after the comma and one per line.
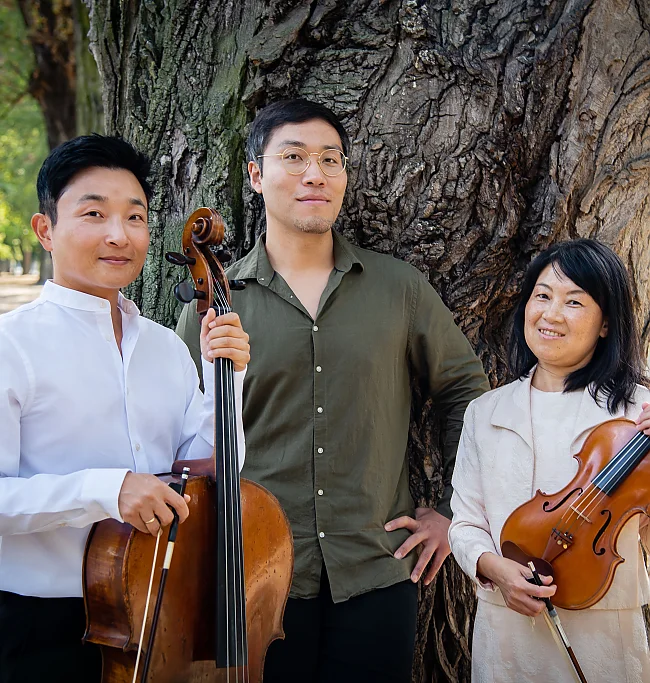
(554,311)
(115,233)
(313,174)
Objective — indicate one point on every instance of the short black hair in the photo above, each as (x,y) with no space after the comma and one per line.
(617,364)
(289,111)
(81,153)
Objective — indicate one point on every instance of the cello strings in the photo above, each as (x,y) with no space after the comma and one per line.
(239,579)
(234,514)
(219,367)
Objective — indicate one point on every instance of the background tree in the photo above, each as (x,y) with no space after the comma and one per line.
(483,131)
(22,139)
(50,92)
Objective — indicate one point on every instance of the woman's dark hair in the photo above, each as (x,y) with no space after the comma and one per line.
(617,364)
(289,111)
(79,154)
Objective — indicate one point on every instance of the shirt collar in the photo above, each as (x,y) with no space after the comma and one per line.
(72,298)
(256,265)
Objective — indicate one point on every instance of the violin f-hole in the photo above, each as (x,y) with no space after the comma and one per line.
(601,531)
(546,507)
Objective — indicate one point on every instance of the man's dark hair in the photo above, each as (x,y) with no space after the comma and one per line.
(79,154)
(289,111)
(617,364)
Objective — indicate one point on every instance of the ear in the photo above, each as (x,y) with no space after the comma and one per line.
(604,329)
(42,227)
(255,175)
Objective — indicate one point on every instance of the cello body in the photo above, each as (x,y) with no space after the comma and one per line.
(116,574)
(571,535)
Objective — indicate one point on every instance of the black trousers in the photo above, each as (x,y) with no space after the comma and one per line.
(40,641)
(368,638)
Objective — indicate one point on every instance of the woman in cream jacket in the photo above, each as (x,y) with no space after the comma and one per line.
(576,352)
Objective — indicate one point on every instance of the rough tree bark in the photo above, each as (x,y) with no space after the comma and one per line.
(483,131)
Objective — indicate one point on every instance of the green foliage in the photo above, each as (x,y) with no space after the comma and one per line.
(23,144)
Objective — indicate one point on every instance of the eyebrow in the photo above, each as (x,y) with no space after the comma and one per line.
(573,291)
(90,197)
(298,143)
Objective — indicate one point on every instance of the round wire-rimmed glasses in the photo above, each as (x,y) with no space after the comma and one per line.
(296,160)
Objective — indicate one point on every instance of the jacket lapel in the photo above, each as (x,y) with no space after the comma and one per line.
(512,411)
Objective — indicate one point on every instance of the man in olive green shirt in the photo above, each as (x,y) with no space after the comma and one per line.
(337,334)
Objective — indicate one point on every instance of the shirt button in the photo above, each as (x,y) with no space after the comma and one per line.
(103,304)
(320,492)
(319,409)
(107,337)
(318,368)
(322,534)
(315,328)
(320,450)
(137,446)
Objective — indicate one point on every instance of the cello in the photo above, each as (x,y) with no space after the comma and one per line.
(221,603)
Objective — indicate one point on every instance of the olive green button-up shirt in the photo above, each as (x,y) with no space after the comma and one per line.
(327,406)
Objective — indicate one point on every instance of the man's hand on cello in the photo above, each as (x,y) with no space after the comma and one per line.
(223,337)
(145,501)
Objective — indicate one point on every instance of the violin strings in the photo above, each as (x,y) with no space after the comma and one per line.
(626,456)
(610,472)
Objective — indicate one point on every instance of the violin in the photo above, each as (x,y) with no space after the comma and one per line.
(221,603)
(571,535)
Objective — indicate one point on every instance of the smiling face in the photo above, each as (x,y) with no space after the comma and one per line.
(562,323)
(309,202)
(101,236)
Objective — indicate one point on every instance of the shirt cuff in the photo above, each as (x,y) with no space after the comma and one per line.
(444,504)
(102,489)
(484,583)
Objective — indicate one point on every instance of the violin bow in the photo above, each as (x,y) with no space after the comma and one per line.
(557,631)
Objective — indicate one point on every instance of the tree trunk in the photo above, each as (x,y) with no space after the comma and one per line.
(483,132)
(51,33)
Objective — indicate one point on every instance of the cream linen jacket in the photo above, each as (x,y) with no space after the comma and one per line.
(494,474)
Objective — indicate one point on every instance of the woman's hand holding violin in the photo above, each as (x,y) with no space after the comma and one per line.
(510,577)
(643,421)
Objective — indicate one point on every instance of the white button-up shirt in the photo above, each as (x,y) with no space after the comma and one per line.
(76,416)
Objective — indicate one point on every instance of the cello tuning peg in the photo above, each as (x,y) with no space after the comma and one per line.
(185,293)
(224,255)
(179,259)
(237,285)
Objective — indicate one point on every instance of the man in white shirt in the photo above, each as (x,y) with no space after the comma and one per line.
(94,400)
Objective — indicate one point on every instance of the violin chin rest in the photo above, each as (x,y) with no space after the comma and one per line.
(512,551)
